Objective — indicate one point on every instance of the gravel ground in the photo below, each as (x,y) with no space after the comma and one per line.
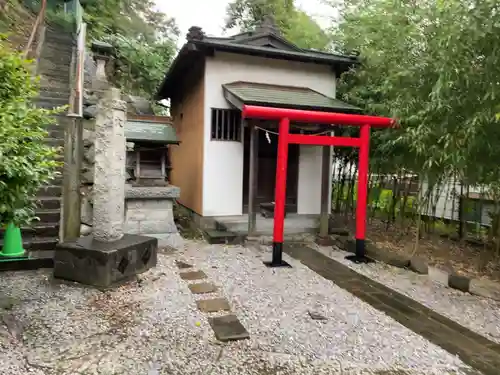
(152,326)
(481,315)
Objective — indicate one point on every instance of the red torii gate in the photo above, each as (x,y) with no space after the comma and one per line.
(285,138)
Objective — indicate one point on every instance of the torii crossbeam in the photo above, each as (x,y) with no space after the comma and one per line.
(284,116)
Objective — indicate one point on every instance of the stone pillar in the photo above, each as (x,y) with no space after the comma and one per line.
(106,256)
(109,187)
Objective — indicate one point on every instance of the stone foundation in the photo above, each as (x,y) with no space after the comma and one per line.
(149,212)
(104,264)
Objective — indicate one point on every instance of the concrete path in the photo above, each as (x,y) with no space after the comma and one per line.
(298,323)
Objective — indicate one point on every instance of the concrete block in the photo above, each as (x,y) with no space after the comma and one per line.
(149,214)
(134,204)
(419,265)
(103,264)
(485,288)
(438,275)
(172,240)
(157,226)
(459,282)
(131,227)
(158,204)
(153,192)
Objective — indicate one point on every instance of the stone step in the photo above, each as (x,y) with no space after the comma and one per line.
(56,133)
(50,191)
(52,41)
(55,142)
(52,104)
(51,83)
(52,93)
(37,230)
(222,237)
(64,53)
(62,73)
(64,56)
(53,101)
(49,67)
(48,216)
(49,203)
(36,260)
(56,181)
(55,57)
(38,243)
(60,40)
(55,32)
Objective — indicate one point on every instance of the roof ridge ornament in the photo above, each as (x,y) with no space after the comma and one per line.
(195,33)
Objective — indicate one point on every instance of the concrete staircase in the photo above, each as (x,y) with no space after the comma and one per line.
(54,67)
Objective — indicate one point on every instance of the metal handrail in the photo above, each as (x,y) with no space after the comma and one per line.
(34,31)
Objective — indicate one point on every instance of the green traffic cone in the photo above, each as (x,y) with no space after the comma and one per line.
(12,242)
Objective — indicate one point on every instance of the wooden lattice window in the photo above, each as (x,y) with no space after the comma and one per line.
(226,125)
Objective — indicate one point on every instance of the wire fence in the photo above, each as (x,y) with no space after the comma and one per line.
(447,208)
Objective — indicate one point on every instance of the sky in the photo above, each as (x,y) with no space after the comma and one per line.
(210,14)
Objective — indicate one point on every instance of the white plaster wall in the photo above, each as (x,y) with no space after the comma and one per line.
(309,189)
(447,201)
(223,161)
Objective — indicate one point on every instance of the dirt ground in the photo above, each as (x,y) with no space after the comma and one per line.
(464,258)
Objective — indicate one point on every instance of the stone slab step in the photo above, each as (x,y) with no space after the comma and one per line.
(61,58)
(52,43)
(35,261)
(46,93)
(55,142)
(228,328)
(221,237)
(54,83)
(49,216)
(56,133)
(51,103)
(37,230)
(38,244)
(49,203)
(49,65)
(50,191)
(58,80)
(64,53)
(58,180)
(59,36)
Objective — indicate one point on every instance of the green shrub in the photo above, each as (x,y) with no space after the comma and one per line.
(26,161)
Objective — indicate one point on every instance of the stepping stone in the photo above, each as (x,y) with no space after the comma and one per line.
(228,328)
(316,316)
(183,265)
(213,305)
(193,275)
(202,288)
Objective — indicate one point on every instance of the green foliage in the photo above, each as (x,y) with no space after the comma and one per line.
(61,18)
(296,26)
(140,67)
(434,67)
(26,162)
(144,40)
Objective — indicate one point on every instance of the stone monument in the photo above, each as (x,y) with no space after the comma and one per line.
(107,256)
